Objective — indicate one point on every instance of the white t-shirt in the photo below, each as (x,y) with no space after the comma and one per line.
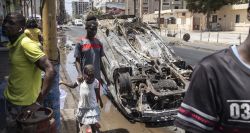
(88,95)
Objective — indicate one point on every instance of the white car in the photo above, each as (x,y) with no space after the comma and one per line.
(78,22)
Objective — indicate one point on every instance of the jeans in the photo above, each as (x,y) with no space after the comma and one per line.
(52,100)
(8,112)
(3,84)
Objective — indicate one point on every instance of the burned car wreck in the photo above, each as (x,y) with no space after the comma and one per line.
(149,80)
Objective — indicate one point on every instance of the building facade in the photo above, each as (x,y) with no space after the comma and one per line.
(228,18)
(231,18)
(150,6)
(79,8)
(144,6)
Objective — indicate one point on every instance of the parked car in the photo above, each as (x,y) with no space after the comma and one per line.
(78,22)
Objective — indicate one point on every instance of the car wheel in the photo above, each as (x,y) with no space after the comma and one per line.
(123,83)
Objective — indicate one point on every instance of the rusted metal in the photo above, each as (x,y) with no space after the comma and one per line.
(41,121)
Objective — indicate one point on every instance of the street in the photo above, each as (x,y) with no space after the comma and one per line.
(190,55)
(111,119)
(124,66)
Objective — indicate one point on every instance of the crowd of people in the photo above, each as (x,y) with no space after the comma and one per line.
(217,99)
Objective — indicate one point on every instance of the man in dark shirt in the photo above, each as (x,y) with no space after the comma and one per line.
(218,97)
(90,51)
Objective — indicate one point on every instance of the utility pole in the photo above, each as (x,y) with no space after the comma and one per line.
(35,7)
(49,29)
(31,7)
(135,7)
(159,15)
(140,8)
(51,50)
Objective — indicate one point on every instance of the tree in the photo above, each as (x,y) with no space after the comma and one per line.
(207,6)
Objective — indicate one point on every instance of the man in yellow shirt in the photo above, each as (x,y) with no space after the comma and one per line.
(24,90)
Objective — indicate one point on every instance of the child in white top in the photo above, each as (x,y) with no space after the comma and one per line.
(88,111)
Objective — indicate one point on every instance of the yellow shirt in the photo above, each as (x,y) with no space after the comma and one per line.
(24,82)
(33,33)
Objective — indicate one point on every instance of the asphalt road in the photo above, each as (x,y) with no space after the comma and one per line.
(112,120)
(190,55)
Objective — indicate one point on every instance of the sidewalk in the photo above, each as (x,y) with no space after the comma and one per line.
(224,37)
(195,44)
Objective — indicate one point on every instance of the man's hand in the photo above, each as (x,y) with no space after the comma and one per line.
(29,110)
(80,78)
(101,104)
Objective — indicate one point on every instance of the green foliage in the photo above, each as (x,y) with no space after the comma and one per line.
(206,6)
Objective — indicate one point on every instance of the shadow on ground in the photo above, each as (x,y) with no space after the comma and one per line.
(120,130)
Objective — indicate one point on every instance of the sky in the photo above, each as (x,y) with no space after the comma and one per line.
(68,5)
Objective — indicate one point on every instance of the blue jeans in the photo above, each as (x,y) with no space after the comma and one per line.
(52,100)
(3,84)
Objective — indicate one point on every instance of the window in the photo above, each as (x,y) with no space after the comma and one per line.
(183,14)
(237,19)
(171,20)
(165,3)
(214,19)
(176,7)
(183,21)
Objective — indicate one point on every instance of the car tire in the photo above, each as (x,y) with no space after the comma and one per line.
(124,83)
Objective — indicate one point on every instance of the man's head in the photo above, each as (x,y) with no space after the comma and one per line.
(31,23)
(89,73)
(91,27)
(90,17)
(13,24)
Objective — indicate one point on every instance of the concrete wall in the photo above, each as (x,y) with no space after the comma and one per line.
(226,17)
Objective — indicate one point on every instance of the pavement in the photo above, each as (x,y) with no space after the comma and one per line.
(196,44)
(222,37)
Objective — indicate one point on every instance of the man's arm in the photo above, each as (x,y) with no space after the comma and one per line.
(79,70)
(70,85)
(97,92)
(78,56)
(44,64)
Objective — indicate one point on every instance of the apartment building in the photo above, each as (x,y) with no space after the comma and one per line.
(150,6)
(79,7)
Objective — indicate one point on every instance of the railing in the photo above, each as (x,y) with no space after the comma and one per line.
(211,37)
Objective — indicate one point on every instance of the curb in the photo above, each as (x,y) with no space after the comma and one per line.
(196,47)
